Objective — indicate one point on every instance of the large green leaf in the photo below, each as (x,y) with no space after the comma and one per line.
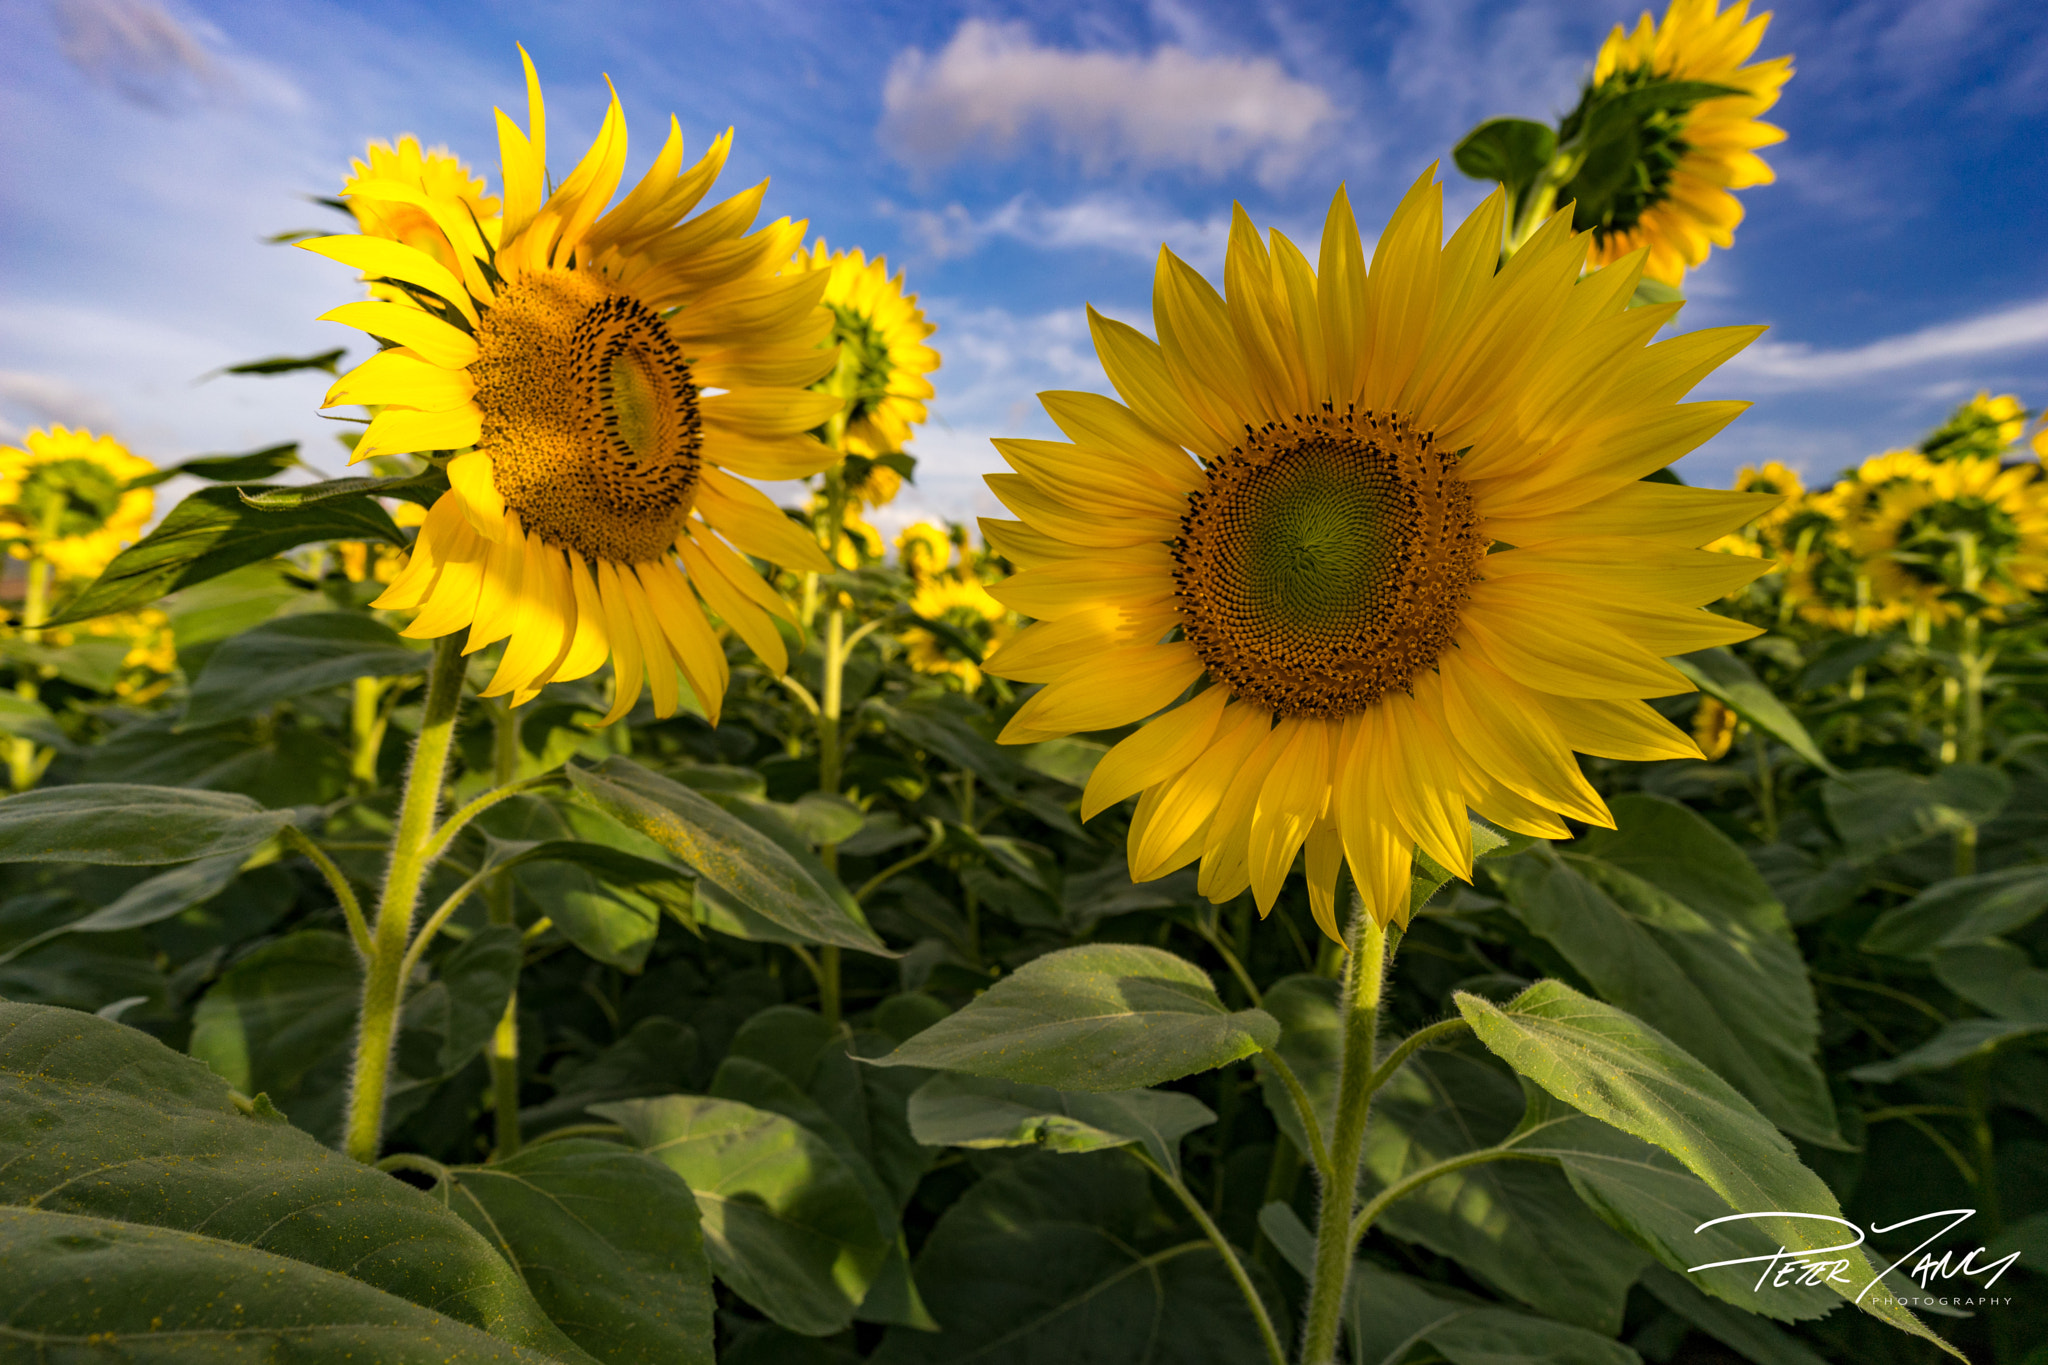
(1094,1018)
(1647,1195)
(96,1289)
(787,1226)
(1722,675)
(1513,151)
(253,467)
(1488,1217)
(974,1111)
(149,901)
(1069,1258)
(1965,1040)
(724,850)
(212,532)
(608,1241)
(141,1151)
(476,980)
(1961,910)
(279,1022)
(130,826)
(1880,810)
(1608,1064)
(1668,920)
(289,657)
(1998,978)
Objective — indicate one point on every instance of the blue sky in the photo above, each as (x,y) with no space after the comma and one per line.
(1018,160)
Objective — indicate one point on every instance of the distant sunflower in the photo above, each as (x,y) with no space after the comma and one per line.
(65,499)
(1982,426)
(883,360)
(965,605)
(1677,205)
(1318,616)
(443,179)
(1969,526)
(569,367)
(923,550)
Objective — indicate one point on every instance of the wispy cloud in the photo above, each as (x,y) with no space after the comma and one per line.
(1098,222)
(994,87)
(1792,365)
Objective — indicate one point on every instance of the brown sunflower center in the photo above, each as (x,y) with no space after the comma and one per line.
(589,416)
(1327,561)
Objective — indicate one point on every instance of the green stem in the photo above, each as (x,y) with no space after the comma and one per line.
(383,983)
(828,783)
(502,1051)
(1408,1185)
(1411,1045)
(455,823)
(351,908)
(1303,1109)
(368,722)
(1271,1338)
(1364,976)
(1978,1088)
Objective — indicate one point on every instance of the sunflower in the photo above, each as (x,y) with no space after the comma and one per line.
(65,499)
(924,550)
(883,360)
(965,605)
(1968,526)
(1319,612)
(568,368)
(1982,426)
(1827,580)
(438,175)
(1676,204)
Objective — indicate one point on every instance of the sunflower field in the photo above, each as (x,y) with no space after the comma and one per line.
(1362,863)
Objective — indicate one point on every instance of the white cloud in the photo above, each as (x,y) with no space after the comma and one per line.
(995,87)
(1097,222)
(1793,365)
(36,400)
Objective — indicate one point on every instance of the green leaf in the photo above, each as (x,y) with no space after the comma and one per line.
(253,467)
(327,361)
(606,901)
(279,1022)
(1614,1067)
(1961,910)
(785,1223)
(24,718)
(1094,1018)
(1998,978)
(1965,1040)
(149,901)
(1720,674)
(1668,920)
(1070,1259)
(1742,1332)
(1513,151)
(608,1241)
(724,850)
(288,657)
(131,826)
(423,488)
(972,1111)
(1387,1316)
(124,1152)
(1488,1217)
(1881,810)
(479,977)
(1648,1196)
(212,532)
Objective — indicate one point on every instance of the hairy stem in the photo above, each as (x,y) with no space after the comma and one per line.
(1359,1002)
(351,908)
(384,981)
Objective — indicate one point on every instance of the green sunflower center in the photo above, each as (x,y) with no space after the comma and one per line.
(72,497)
(589,416)
(1326,563)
